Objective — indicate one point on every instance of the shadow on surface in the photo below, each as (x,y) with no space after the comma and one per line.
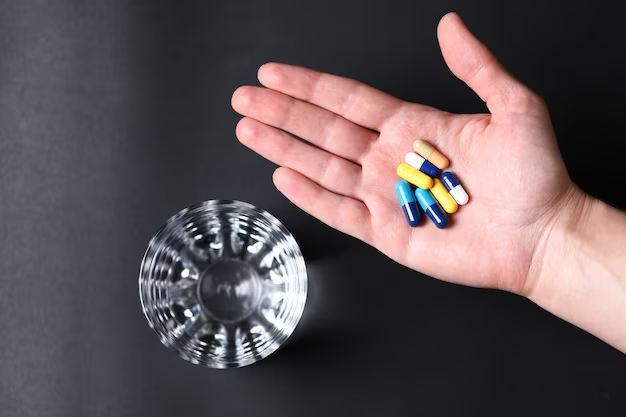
(318,241)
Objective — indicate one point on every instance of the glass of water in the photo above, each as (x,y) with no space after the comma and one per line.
(223,283)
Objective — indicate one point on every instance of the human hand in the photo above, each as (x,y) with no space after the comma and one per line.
(508,161)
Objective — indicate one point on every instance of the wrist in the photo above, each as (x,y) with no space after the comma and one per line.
(559,239)
(579,268)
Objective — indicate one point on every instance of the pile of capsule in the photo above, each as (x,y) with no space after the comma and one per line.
(437,196)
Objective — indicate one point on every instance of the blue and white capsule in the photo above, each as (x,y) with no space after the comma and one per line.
(455,188)
(408,203)
(421,164)
(432,209)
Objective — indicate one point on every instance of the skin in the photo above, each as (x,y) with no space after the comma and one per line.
(504,238)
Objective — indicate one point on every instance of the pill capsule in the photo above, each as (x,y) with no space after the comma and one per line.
(431,208)
(420,163)
(408,202)
(456,190)
(441,194)
(431,154)
(415,177)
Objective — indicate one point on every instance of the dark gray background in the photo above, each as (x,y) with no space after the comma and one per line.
(114,115)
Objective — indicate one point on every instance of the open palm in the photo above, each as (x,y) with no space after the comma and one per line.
(507,160)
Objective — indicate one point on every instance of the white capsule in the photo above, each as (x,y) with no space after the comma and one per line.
(414,160)
(421,164)
(459,195)
(455,189)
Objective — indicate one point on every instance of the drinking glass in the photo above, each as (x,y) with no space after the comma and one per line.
(223,283)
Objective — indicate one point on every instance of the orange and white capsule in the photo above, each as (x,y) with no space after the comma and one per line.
(431,154)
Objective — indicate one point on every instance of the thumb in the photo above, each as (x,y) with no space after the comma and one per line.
(473,63)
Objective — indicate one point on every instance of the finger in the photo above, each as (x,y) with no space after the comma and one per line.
(342,213)
(474,64)
(320,127)
(331,172)
(355,101)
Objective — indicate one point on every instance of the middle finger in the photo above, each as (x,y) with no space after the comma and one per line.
(321,127)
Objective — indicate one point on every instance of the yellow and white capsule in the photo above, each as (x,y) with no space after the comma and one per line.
(431,154)
(414,176)
(444,198)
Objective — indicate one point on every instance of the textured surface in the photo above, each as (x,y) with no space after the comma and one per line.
(114,115)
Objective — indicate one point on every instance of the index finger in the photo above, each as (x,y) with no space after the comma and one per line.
(351,99)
